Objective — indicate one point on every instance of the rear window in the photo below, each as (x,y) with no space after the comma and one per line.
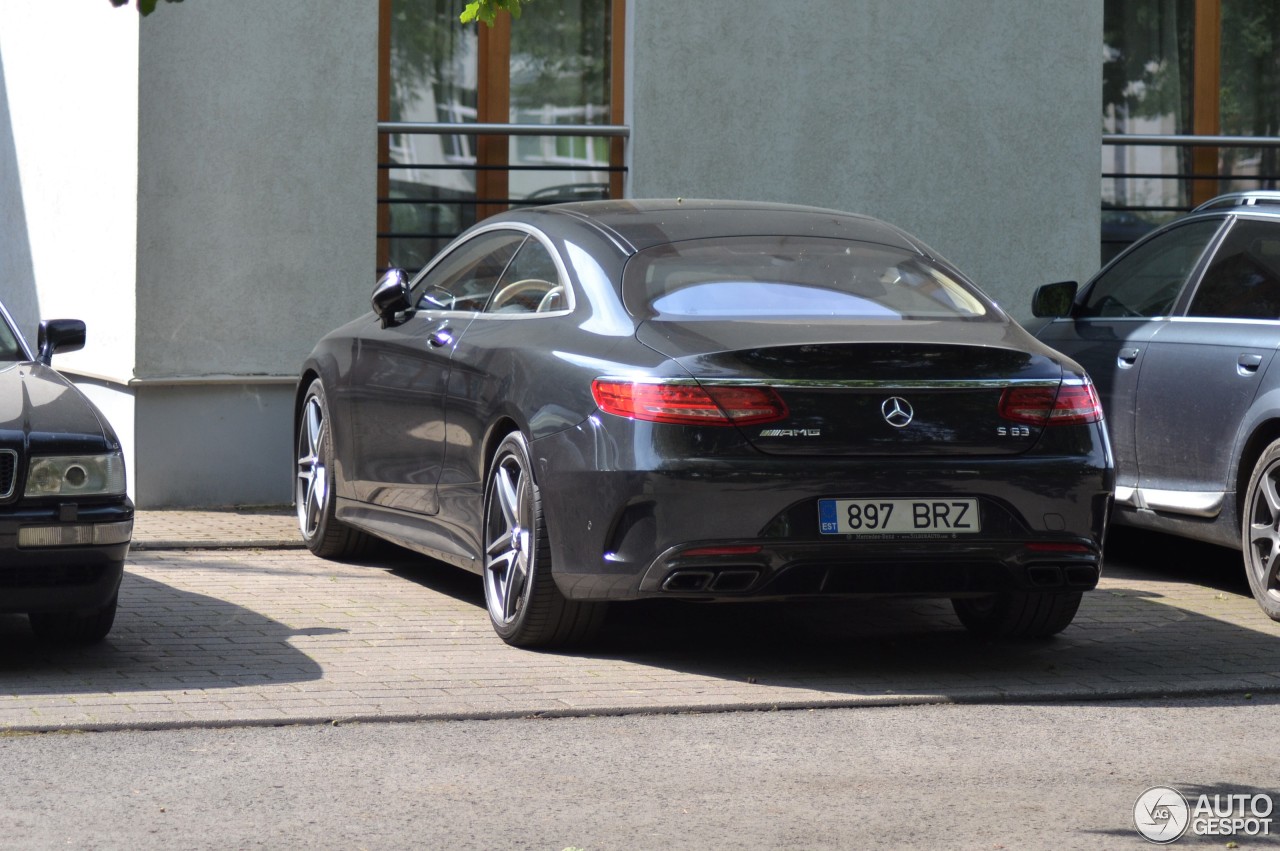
(761,277)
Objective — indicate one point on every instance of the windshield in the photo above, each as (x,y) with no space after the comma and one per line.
(764,276)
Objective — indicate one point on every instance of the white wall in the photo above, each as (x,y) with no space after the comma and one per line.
(975,126)
(68,172)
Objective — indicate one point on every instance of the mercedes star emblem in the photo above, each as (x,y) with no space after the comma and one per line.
(897,411)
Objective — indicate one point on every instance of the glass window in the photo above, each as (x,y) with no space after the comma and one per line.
(560,74)
(1250,78)
(1147,280)
(1147,88)
(466,277)
(9,348)
(531,283)
(1243,281)
(785,276)
(552,66)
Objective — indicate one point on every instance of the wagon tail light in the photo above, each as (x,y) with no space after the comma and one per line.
(1071,403)
(685,403)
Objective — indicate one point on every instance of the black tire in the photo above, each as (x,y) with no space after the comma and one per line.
(74,627)
(1260,531)
(525,606)
(324,534)
(1018,614)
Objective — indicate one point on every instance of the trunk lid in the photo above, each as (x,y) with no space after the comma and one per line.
(868,389)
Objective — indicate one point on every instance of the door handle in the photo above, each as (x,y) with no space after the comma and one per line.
(1248,364)
(441,337)
(1126,358)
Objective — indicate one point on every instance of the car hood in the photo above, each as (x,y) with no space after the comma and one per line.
(41,408)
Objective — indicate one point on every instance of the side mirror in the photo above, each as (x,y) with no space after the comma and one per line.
(59,335)
(1054,300)
(391,297)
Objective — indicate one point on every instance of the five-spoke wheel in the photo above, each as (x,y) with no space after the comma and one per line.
(1260,531)
(323,533)
(525,606)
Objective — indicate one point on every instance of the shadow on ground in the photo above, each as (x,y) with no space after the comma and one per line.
(1128,636)
(163,638)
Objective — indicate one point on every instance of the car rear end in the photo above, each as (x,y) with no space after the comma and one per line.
(879,441)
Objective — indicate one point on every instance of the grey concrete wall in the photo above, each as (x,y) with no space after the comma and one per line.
(973,125)
(257,181)
(256,219)
(214,445)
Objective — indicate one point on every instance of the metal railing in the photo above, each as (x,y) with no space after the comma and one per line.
(416,218)
(1125,221)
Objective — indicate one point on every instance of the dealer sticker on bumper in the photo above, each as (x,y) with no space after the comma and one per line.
(897,516)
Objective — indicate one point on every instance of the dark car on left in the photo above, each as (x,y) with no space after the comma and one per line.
(65,518)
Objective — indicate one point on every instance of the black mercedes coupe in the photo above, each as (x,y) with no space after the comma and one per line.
(705,400)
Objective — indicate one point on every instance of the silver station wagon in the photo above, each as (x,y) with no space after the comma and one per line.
(1179,334)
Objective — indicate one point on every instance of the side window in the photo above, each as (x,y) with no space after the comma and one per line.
(1243,281)
(1147,280)
(465,279)
(531,283)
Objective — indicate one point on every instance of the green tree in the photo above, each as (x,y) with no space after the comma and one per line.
(146,7)
(487,10)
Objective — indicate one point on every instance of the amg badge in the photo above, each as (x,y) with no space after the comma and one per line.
(791,432)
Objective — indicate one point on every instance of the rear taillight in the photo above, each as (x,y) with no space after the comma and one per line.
(1071,403)
(687,404)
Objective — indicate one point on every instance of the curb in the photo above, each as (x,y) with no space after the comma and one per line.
(985,697)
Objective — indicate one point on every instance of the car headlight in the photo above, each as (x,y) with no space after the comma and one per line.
(76,475)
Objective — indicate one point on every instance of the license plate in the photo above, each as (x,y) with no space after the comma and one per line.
(898,516)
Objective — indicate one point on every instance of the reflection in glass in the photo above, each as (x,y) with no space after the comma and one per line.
(1250,100)
(560,75)
(560,56)
(1146,89)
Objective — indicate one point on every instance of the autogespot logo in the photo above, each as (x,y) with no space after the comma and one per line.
(1161,814)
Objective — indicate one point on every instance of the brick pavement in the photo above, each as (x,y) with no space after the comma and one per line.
(268,634)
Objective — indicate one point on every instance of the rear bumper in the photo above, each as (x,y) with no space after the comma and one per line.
(61,578)
(786,570)
(623,518)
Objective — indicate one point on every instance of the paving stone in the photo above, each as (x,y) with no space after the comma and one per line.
(225,620)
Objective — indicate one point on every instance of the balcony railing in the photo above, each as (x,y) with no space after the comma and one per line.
(425,201)
(1153,184)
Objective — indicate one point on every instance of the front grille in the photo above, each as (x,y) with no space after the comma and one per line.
(8,472)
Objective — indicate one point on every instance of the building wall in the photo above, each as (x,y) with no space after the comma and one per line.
(68,172)
(256,216)
(257,188)
(975,126)
(199,185)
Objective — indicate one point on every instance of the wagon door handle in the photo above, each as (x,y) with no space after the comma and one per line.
(441,337)
(1127,358)
(1248,364)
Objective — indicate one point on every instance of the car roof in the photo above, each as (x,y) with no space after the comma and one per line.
(1251,198)
(640,224)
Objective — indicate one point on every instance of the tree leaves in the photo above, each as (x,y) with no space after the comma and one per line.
(482,10)
(145,7)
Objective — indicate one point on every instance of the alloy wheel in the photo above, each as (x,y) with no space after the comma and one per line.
(509,539)
(311,493)
(1263,556)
